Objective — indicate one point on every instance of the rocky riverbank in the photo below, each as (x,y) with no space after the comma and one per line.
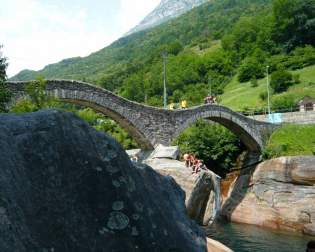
(280,194)
(277,194)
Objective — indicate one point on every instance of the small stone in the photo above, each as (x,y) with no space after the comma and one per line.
(131,185)
(122,179)
(118,205)
(139,206)
(104,230)
(136,216)
(2,210)
(134,231)
(112,169)
(117,221)
(99,169)
(150,211)
(116,183)
(112,153)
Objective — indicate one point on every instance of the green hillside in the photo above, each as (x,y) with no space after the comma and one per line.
(291,140)
(242,96)
(111,65)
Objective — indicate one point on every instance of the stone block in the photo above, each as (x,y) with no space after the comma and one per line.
(162,151)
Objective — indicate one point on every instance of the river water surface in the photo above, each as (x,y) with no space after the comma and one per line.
(246,238)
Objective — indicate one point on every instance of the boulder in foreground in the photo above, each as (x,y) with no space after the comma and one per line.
(66,187)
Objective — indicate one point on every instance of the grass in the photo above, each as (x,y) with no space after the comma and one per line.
(292,140)
(239,96)
(213,46)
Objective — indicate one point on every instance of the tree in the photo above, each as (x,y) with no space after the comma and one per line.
(5,94)
(250,68)
(294,22)
(212,143)
(281,80)
(36,98)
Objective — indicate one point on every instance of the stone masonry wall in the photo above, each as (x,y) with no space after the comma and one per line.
(151,126)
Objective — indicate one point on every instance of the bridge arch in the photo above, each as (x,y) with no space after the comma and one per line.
(252,133)
(100,100)
(148,125)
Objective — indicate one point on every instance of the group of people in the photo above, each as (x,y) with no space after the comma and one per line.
(210,99)
(194,163)
(182,105)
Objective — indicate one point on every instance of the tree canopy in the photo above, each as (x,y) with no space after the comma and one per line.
(4,92)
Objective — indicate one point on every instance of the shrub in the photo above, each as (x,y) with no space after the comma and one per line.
(281,80)
(249,69)
(296,79)
(254,82)
(285,101)
(213,143)
(263,95)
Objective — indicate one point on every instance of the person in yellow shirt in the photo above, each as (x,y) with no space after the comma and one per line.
(171,106)
(184,104)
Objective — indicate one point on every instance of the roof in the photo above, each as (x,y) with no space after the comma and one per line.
(307,100)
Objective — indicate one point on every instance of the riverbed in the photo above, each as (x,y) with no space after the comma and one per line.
(247,238)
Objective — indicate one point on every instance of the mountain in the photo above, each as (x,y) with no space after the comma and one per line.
(110,66)
(166,10)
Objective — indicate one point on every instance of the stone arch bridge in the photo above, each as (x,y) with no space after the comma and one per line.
(148,125)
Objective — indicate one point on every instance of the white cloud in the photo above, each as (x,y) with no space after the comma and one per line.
(132,12)
(36,33)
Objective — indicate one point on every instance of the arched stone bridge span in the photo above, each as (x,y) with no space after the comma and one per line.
(148,125)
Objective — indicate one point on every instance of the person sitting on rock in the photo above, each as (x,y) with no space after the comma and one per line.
(200,166)
(311,246)
(196,166)
(188,158)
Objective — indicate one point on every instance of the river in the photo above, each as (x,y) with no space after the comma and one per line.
(247,238)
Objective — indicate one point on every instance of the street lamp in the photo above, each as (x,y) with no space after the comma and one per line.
(268,91)
(164,56)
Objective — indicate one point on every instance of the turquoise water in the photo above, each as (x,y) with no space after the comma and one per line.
(246,238)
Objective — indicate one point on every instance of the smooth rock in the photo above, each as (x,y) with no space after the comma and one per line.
(177,170)
(215,246)
(161,151)
(280,195)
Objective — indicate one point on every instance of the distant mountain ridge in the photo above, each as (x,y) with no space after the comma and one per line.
(166,10)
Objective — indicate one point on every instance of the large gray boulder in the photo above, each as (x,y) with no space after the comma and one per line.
(280,194)
(66,187)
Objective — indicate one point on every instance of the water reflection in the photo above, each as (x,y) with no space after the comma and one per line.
(246,238)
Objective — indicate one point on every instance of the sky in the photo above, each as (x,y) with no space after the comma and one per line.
(35,33)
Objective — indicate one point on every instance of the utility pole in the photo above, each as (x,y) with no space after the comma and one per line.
(164,55)
(268,91)
(209,81)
